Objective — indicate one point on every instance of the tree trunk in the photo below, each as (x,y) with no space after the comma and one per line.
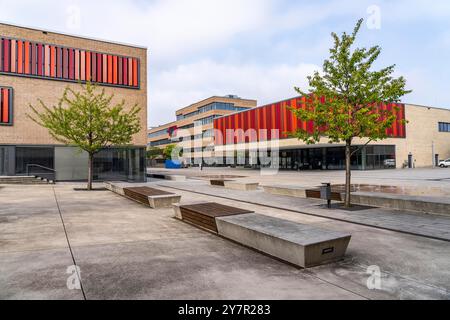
(348,173)
(90,171)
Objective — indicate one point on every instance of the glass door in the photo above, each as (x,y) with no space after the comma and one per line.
(2,161)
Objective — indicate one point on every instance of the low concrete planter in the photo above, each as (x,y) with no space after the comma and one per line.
(114,188)
(175,178)
(302,245)
(290,191)
(422,204)
(157,202)
(243,186)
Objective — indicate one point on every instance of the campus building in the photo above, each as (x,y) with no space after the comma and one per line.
(193,129)
(421,142)
(37,64)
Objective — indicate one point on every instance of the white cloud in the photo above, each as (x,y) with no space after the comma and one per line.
(170,28)
(186,84)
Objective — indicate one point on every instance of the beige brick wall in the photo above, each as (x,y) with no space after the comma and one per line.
(28,90)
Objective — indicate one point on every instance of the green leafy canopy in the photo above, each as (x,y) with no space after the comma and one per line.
(88,119)
(342,100)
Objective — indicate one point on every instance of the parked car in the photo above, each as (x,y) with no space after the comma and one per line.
(390,163)
(444,163)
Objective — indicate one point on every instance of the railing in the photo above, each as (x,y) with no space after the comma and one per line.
(41,172)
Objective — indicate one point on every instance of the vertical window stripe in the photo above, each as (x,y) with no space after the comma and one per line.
(1,54)
(27,58)
(77,64)
(110,64)
(125,71)
(71,64)
(120,66)
(5,105)
(105,68)
(6,55)
(33,58)
(65,65)
(130,71)
(94,67)
(88,66)
(13,55)
(83,65)
(135,72)
(99,67)
(40,60)
(47,61)
(115,69)
(20,57)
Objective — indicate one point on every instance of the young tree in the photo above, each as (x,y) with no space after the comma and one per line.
(343,101)
(154,152)
(89,121)
(172,152)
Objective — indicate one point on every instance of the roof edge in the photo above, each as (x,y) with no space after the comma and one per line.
(73,35)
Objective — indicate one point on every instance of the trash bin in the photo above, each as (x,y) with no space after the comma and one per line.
(325,193)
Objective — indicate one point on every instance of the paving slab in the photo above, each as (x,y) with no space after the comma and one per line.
(204,268)
(36,275)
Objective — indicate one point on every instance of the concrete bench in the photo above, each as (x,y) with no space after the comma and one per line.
(154,198)
(291,191)
(243,186)
(302,245)
(170,177)
(424,204)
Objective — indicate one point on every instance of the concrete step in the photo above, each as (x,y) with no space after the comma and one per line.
(27,180)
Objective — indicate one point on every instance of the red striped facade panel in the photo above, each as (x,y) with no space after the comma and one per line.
(25,58)
(6,104)
(282,120)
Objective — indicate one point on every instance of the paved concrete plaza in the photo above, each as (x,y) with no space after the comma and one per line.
(128,251)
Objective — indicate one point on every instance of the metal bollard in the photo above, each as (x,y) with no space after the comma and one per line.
(325,193)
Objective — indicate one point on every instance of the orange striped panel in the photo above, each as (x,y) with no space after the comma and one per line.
(53,62)
(77,64)
(294,119)
(130,71)
(5,111)
(105,68)
(88,66)
(135,73)
(20,56)
(13,56)
(27,58)
(115,70)
(110,75)
(47,60)
(83,65)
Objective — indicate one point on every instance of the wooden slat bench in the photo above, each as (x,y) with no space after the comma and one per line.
(151,197)
(204,215)
(218,182)
(315,194)
(154,198)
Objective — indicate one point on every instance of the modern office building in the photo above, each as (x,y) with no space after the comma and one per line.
(193,129)
(422,142)
(37,64)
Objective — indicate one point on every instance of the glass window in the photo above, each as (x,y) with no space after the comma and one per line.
(444,127)
(43,156)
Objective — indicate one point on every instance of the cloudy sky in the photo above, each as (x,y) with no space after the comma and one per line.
(257,49)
